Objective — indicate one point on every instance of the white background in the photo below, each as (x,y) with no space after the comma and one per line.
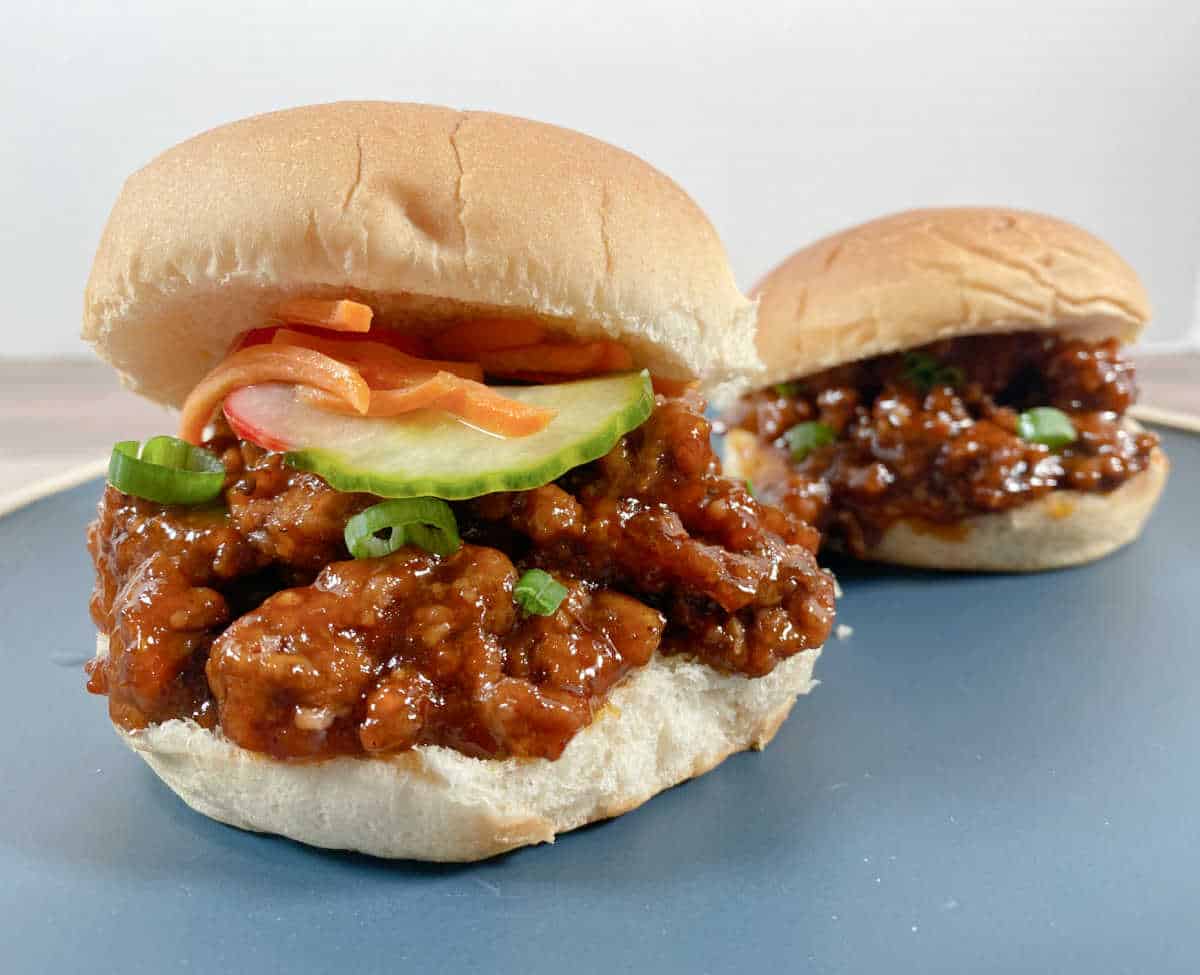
(785,120)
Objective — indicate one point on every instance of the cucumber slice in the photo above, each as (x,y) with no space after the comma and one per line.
(429,453)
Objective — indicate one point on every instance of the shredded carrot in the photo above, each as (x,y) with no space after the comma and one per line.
(483,407)
(428,393)
(616,358)
(360,376)
(382,366)
(266,364)
(413,345)
(477,404)
(584,358)
(342,315)
(390,375)
(470,340)
(421,393)
(404,341)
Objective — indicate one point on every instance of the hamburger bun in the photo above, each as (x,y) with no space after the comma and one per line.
(913,278)
(909,279)
(419,211)
(671,720)
(428,215)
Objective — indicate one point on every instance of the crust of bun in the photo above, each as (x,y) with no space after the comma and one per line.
(913,278)
(1059,529)
(669,721)
(427,214)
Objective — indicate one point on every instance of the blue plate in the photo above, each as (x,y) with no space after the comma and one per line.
(998,774)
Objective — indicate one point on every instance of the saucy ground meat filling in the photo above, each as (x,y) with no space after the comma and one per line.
(931,435)
(250,616)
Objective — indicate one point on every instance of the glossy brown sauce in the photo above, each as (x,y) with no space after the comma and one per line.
(250,616)
(934,453)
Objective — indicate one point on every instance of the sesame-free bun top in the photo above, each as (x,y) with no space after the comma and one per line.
(427,214)
(913,278)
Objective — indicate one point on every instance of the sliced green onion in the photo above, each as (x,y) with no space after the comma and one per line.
(925,372)
(166,470)
(793,388)
(538,594)
(919,369)
(427,523)
(804,438)
(1046,425)
(750,489)
(951,376)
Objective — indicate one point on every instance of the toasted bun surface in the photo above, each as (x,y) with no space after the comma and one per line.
(426,214)
(1058,529)
(912,278)
(667,722)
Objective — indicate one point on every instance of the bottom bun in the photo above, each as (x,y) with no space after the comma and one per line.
(669,721)
(1059,529)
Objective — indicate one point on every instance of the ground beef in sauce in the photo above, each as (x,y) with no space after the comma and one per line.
(935,453)
(250,615)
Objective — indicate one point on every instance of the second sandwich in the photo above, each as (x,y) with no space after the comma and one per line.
(948,390)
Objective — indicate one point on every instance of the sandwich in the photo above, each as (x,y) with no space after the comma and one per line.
(947,389)
(441,562)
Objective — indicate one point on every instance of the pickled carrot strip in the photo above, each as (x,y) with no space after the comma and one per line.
(341,315)
(388,402)
(429,393)
(584,358)
(383,366)
(470,340)
(413,345)
(267,364)
(616,358)
(483,407)
(477,404)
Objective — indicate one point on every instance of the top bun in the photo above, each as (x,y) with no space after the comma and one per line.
(916,277)
(426,214)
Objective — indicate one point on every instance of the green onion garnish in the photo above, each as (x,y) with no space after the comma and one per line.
(750,489)
(793,388)
(951,376)
(925,372)
(427,523)
(166,470)
(538,594)
(1046,425)
(804,438)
